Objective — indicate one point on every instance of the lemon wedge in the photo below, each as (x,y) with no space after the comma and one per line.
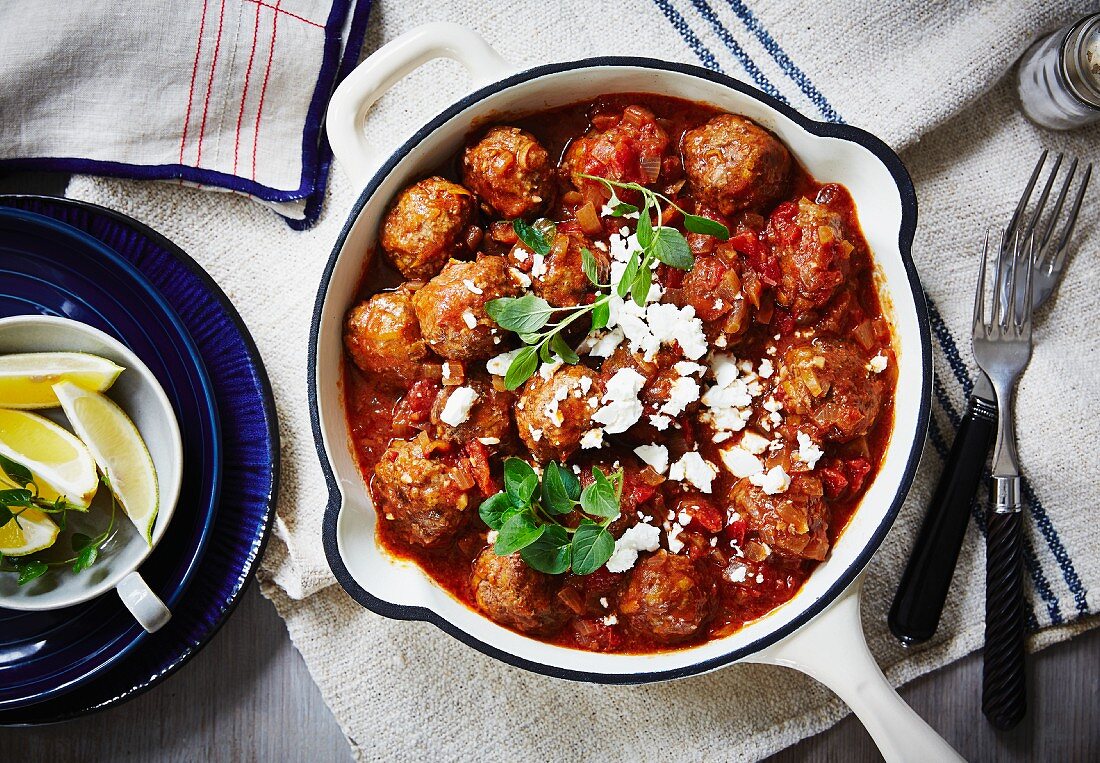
(61,463)
(27,379)
(118,450)
(33,532)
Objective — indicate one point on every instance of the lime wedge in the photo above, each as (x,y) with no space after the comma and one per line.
(33,531)
(61,464)
(27,379)
(118,450)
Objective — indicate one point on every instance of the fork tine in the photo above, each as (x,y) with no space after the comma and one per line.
(1012,272)
(998,308)
(1059,256)
(1041,204)
(1023,326)
(979,298)
(1025,197)
(1052,221)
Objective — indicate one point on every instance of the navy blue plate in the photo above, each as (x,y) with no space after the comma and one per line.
(238,525)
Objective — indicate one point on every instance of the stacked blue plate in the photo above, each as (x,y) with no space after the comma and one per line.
(61,257)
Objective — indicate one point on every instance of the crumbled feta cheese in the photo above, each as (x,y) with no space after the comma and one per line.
(521,254)
(660,423)
(772,405)
(641,537)
(675,545)
(610,620)
(648,327)
(687,368)
(603,602)
(593,438)
(498,366)
(775,481)
(721,341)
(623,408)
(546,370)
(536,434)
(491,537)
(878,363)
(741,463)
(766,369)
(446,370)
(489,440)
(458,405)
(683,392)
(808,451)
(538,266)
(694,469)
(721,437)
(759,577)
(654,455)
(586,384)
(606,344)
(736,572)
(520,277)
(754,442)
(469,319)
(472,287)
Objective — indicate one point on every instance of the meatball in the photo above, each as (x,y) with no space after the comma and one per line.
(553,414)
(794,523)
(451,308)
(665,392)
(827,380)
(427,225)
(627,148)
(809,241)
(383,337)
(510,171)
(513,594)
(425,497)
(734,164)
(667,598)
(559,276)
(489,417)
(713,288)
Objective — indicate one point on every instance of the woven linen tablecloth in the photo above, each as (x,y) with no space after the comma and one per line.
(933,80)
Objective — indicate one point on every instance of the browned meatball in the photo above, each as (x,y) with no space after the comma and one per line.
(451,308)
(809,241)
(513,594)
(794,523)
(425,498)
(827,380)
(626,147)
(427,225)
(552,415)
(510,170)
(382,336)
(662,381)
(734,164)
(667,598)
(559,276)
(489,418)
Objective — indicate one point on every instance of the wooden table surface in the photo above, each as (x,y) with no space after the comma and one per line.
(249,697)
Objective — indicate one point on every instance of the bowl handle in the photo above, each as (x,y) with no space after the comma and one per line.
(144,605)
(386,67)
(832,649)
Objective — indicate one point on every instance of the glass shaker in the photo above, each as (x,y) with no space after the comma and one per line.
(1059,77)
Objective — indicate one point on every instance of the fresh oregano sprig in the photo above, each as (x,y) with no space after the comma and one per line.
(13,502)
(530,316)
(526,516)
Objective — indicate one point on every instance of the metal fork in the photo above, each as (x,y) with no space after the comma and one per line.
(1002,349)
(924,585)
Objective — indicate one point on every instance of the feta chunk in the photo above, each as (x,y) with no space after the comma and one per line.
(808,451)
(498,366)
(622,407)
(878,363)
(654,455)
(775,481)
(695,470)
(741,463)
(458,405)
(640,537)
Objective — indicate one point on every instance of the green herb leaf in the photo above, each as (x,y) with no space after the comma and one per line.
(519,314)
(600,499)
(601,314)
(29,571)
(494,509)
(671,248)
(631,272)
(562,349)
(521,368)
(592,547)
(16,472)
(560,489)
(518,532)
(79,541)
(590,266)
(550,552)
(532,238)
(639,290)
(86,558)
(15,497)
(622,208)
(5,515)
(520,481)
(644,231)
(706,226)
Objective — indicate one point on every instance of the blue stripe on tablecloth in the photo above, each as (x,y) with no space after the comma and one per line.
(943,335)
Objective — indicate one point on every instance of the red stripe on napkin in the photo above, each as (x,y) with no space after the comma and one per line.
(194,71)
(210,82)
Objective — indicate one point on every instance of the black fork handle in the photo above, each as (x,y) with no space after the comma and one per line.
(921,594)
(1004,686)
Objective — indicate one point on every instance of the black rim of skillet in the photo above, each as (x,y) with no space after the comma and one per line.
(267,400)
(905,241)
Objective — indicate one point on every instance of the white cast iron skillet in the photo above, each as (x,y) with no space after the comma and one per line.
(818,631)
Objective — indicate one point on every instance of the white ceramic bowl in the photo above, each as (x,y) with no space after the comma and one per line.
(886,203)
(141,396)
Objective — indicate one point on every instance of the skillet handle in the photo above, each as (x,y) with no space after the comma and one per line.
(831,648)
(386,67)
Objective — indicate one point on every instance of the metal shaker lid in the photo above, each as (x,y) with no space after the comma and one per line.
(1081,60)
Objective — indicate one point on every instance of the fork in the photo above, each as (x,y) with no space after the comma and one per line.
(924,585)
(1002,349)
